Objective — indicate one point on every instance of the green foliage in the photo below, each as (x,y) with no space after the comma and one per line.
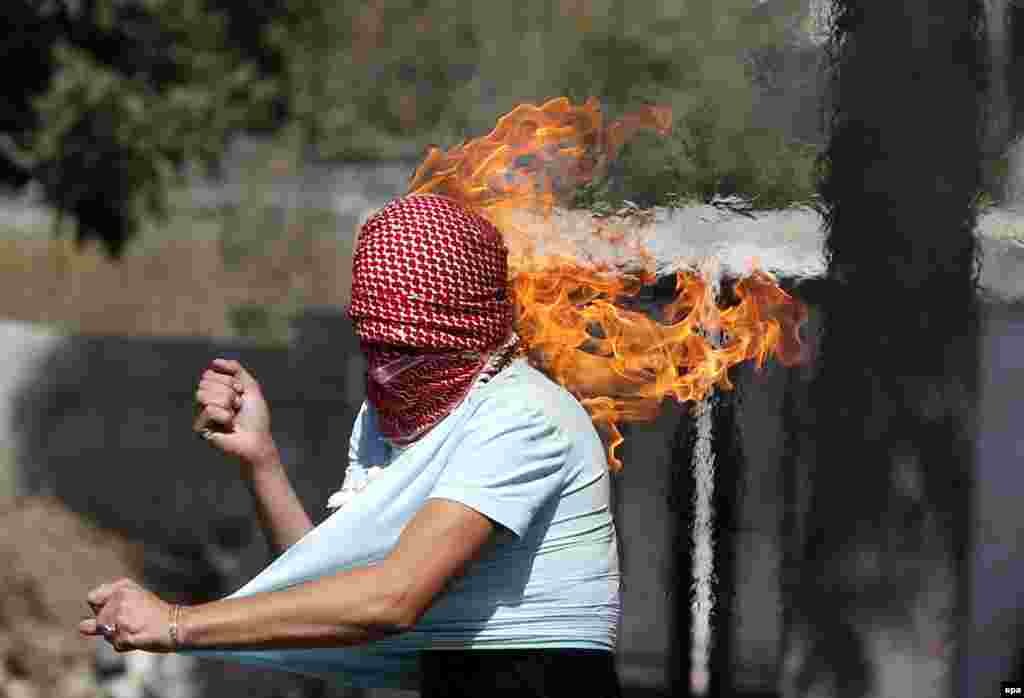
(137,92)
(376,79)
(388,78)
(8,474)
(151,133)
(619,69)
(261,324)
(757,164)
(705,159)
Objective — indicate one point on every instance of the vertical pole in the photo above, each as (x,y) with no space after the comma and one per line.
(789,522)
(894,395)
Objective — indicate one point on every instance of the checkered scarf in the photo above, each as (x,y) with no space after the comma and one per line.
(430,305)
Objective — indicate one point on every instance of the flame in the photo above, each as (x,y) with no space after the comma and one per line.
(583,323)
(535,157)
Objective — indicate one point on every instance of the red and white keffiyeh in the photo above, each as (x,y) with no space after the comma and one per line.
(430,305)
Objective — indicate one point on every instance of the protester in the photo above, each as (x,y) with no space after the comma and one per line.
(472,552)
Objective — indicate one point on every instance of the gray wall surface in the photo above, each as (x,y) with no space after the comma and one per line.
(995,630)
(104,424)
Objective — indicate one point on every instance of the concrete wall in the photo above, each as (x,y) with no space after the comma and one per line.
(104,423)
(995,629)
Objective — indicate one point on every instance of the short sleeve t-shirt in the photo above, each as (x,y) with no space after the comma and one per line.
(509,466)
(528,458)
(523,452)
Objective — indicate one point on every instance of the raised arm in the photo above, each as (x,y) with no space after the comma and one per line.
(235,418)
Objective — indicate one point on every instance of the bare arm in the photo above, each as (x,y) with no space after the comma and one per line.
(347,608)
(236,419)
(355,606)
(283,518)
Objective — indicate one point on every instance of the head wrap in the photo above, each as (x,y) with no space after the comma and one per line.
(430,305)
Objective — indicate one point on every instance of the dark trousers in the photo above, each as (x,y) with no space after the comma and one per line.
(542,673)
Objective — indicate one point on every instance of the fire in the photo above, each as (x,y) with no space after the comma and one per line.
(582,322)
(535,157)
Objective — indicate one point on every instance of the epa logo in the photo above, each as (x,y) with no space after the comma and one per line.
(1013,691)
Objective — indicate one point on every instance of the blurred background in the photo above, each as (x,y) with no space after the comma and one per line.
(182,179)
(249,140)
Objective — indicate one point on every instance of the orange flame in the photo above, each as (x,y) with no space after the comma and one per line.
(576,319)
(534,156)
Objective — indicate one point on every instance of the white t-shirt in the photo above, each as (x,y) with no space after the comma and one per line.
(523,452)
(527,457)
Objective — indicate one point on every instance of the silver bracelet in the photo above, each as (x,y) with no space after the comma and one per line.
(172,629)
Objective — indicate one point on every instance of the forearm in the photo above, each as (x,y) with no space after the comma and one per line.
(349,608)
(281,514)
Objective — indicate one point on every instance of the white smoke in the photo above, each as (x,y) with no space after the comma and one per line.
(787,243)
(703,542)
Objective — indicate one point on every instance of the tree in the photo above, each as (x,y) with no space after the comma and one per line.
(111,101)
(115,99)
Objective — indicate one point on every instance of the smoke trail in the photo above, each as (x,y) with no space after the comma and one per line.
(786,243)
(703,551)
(703,540)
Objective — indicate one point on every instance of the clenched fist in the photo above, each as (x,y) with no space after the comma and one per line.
(129,617)
(233,415)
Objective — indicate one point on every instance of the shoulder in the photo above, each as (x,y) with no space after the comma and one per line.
(521,395)
(529,393)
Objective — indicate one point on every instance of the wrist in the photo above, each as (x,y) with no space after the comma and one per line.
(264,458)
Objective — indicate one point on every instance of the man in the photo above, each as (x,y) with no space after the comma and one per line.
(482,558)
